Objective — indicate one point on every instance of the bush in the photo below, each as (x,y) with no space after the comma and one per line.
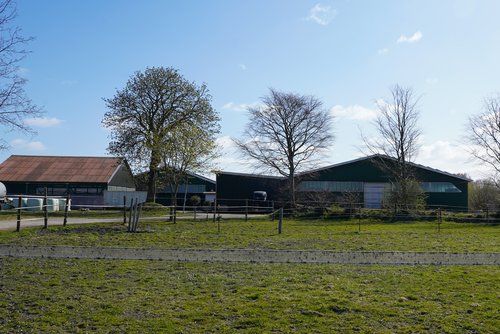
(151,206)
(335,210)
(195,200)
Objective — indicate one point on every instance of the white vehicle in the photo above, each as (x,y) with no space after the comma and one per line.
(3,193)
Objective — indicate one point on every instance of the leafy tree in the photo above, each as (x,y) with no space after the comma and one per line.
(285,134)
(154,106)
(15,106)
(398,136)
(484,135)
(190,149)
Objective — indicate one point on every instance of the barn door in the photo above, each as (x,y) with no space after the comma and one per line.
(374,194)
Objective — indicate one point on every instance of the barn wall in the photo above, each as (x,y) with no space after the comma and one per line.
(241,186)
(367,171)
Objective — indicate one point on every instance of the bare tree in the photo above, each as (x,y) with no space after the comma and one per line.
(397,128)
(15,106)
(396,145)
(155,105)
(484,195)
(484,135)
(286,133)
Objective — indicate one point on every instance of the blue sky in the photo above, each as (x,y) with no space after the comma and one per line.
(348,53)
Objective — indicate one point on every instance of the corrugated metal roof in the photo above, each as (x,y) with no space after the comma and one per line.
(385,157)
(26,168)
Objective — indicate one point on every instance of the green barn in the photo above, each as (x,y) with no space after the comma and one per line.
(237,188)
(363,177)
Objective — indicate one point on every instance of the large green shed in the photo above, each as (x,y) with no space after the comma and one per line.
(364,177)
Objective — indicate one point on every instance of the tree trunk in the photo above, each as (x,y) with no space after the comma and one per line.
(175,192)
(291,189)
(153,172)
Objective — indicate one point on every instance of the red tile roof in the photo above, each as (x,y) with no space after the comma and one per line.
(26,168)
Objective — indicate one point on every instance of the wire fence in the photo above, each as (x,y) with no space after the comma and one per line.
(131,211)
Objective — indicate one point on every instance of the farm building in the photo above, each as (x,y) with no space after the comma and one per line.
(237,188)
(195,185)
(90,181)
(362,177)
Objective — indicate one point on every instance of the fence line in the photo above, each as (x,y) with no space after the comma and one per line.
(263,209)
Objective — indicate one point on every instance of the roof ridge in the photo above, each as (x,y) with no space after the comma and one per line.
(63,156)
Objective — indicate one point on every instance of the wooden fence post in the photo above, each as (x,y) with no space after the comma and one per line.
(215,209)
(19,203)
(246,209)
(45,211)
(130,215)
(137,215)
(66,209)
(124,210)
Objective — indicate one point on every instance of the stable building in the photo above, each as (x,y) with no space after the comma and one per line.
(193,185)
(235,189)
(90,181)
(363,177)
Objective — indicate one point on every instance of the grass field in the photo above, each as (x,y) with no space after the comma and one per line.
(145,297)
(297,234)
(100,296)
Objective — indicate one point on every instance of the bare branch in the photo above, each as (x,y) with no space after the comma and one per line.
(484,134)
(397,129)
(15,106)
(286,133)
(397,145)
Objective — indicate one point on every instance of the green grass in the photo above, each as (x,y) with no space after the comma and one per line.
(100,296)
(297,234)
(81,296)
(158,211)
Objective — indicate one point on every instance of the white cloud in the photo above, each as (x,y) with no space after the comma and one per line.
(450,157)
(243,67)
(225,142)
(321,14)
(239,107)
(43,122)
(442,150)
(355,112)
(22,144)
(411,39)
(383,51)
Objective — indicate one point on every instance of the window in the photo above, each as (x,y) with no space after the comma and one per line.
(330,186)
(346,186)
(191,188)
(439,187)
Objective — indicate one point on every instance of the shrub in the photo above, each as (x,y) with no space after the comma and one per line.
(195,200)
(151,206)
